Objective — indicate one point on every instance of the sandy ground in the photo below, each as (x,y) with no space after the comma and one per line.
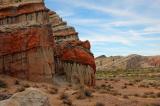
(107,92)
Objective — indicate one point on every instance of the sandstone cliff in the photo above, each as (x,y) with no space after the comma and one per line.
(26,40)
(61,31)
(72,56)
(36,44)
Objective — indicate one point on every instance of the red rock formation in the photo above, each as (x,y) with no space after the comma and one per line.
(77,51)
(26,41)
(76,60)
(27,44)
(61,31)
(154,61)
(71,53)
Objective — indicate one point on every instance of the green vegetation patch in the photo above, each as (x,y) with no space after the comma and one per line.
(148,74)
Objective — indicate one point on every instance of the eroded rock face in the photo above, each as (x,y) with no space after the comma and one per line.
(36,44)
(75,59)
(61,31)
(78,52)
(30,97)
(133,61)
(72,56)
(26,41)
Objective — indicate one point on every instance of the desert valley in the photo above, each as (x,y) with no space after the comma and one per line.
(44,62)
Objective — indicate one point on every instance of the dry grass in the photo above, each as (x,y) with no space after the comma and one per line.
(151,95)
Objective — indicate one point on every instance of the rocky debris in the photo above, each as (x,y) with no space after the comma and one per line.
(127,62)
(30,97)
(5,96)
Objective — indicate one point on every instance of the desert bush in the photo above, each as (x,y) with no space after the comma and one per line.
(143,85)
(107,87)
(20,89)
(124,87)
(84,92)
(52,90)
(17,82)
(5,96)
(158,94)
(26,85)
(63,96)
(36,86)
(153,104)
(3,84)
(149,95)
(97,87)
(100,104)
(114,93)
(137,95)
(129,83)
(137,80)
(88,93)
(125,97)
(68,102)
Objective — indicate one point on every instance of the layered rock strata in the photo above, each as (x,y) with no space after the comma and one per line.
(75,60)
(72,56)
(26,40)
(61,31)
(131,62)
(36,44)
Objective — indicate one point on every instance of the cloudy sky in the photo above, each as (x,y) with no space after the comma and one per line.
(114,27)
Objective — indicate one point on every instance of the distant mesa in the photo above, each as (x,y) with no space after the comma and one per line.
(132,61)
(102,56)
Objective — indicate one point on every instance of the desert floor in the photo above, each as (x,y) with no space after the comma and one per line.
(119,89)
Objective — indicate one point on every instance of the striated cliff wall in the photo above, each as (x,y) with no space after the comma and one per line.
(26,40)
(72,56)
(61,31)
(36,44)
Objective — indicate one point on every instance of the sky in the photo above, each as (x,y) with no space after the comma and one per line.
(114,27)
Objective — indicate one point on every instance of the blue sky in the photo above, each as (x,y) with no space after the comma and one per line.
(114,27)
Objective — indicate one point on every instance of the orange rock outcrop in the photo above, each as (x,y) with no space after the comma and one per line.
(26,41)
(71,54)
(36,44)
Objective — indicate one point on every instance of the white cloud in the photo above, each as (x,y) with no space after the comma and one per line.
(125,14)
(65,13)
